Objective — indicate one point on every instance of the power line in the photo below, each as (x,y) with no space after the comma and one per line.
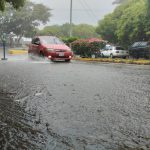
(92,12)
(88,10)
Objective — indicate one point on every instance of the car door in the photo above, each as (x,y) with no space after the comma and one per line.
(36,46)
(104,52)
(110,51)
(142,49)
(31,46)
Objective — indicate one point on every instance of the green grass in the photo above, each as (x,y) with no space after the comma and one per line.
(116,60)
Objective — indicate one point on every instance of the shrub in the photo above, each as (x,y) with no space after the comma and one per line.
(87,47)
(69,40)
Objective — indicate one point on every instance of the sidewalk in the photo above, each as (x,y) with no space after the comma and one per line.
(18,56)
(1,52)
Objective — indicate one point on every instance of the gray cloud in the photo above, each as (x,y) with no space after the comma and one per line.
(84,11)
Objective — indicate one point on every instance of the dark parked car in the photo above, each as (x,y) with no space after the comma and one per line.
(140,50)
(50,47)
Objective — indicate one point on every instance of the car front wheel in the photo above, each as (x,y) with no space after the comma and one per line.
(67,60)
(41,55)
(102,55)
(111,56)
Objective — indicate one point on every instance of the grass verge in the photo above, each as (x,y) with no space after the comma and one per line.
(116,60)
(17,51)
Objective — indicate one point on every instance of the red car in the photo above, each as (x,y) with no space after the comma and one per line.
(50,47)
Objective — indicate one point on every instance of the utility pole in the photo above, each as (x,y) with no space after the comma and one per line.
(71,18)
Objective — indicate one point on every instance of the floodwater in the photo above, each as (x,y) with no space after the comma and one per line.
(73,106)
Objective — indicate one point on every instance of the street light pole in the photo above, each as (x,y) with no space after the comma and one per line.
(71,18)
(4,51)
(4,46)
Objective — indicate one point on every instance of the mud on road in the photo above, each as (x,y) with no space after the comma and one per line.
(76,106)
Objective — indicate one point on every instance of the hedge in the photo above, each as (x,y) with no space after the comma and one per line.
(87,47)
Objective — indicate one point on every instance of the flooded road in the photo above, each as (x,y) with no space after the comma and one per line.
(73,106)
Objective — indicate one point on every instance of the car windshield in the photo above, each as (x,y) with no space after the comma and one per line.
(143,44)
(108,47)
(135,44)
(50,40)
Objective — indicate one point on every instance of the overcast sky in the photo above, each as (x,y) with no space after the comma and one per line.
(84,11)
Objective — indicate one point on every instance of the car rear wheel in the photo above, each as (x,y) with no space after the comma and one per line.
(29,55)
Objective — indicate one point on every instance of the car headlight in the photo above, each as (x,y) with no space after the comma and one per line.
(50,50)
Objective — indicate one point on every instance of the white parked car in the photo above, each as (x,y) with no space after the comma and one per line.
(114,51)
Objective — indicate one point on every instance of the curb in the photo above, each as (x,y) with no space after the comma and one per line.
(17,51)
(121,61)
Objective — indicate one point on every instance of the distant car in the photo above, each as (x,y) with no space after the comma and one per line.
(51,47)
(114,51)
(140,50)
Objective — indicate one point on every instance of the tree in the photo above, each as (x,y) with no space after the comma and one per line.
(51,30)
(15,3)
(130,22)
(119,1)
(107,28)
(131,25)
(84,31)
(147,23)
(79,31)
(25,20)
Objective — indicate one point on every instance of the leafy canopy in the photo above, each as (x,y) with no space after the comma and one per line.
(25,20)
(15,3)
(130,22)
(79,31)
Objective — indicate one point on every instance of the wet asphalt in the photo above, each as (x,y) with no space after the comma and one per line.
(73,106)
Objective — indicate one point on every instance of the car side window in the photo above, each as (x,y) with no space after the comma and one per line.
(36,41)
(136,44)
(143,44)
(119,48)
(110,48)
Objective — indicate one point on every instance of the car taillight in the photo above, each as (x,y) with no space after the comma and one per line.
(117,51)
